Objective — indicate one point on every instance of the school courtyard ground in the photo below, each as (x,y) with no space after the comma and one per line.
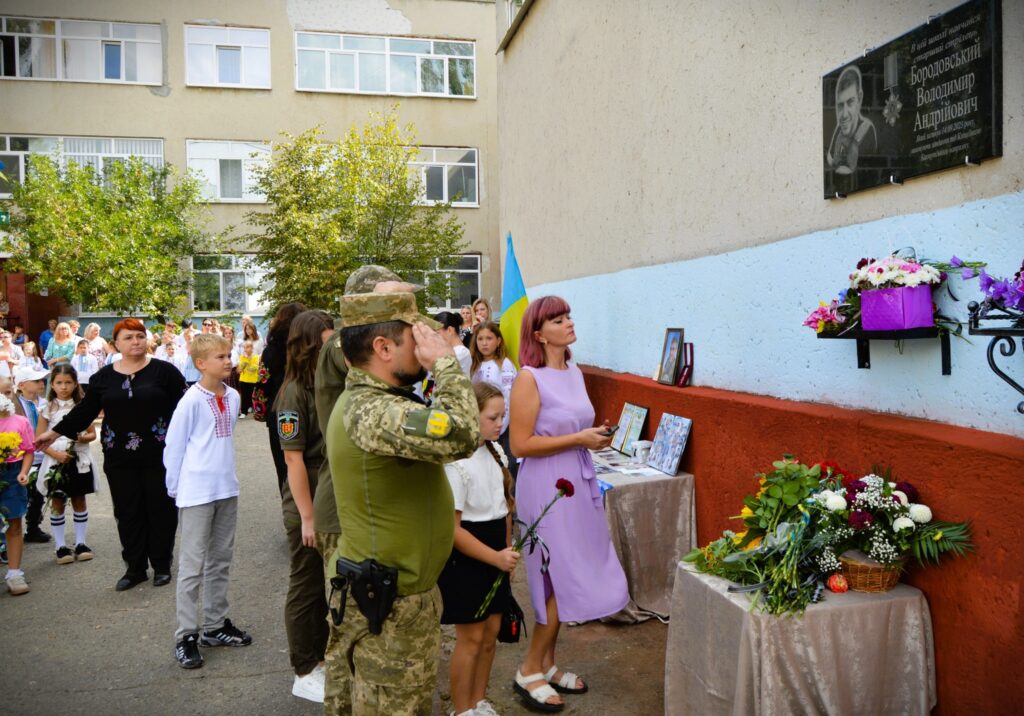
(75,646)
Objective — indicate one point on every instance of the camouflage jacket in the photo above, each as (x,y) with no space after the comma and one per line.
(386,452)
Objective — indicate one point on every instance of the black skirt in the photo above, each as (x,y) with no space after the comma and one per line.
(465,582)
(72,483)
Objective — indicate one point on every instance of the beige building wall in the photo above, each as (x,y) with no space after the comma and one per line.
(640,133)
(175,112)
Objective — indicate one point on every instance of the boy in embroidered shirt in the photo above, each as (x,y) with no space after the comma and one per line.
(199,456)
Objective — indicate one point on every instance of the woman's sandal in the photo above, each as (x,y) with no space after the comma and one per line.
(567,684)
(537,697)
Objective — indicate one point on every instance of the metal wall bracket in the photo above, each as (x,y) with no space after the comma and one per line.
(864,339)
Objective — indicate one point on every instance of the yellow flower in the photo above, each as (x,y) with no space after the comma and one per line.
(937,536)
(739,537)
(753,543)
(746,512)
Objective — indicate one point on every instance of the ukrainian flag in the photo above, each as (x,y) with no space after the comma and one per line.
(513,303)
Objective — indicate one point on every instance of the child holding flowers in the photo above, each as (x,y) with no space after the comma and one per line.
(66,470)
(16,450)
(481,486)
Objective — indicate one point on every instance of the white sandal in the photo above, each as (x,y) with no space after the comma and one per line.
(537,697)
(567,684)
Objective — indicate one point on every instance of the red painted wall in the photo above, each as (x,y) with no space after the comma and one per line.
(962,474)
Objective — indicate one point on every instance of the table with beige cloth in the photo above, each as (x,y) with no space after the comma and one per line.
(854,653)
(653,525)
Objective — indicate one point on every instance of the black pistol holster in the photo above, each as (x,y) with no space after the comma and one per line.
(374,588)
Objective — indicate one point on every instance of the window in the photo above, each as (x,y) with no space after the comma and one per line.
(226,169)
(384,65)
(95,152)
(227,283)
(227,57)
(448,175)
(77,51)
(463,274)
(512,8)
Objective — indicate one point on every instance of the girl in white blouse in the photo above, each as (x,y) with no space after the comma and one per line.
(491,363)
(481,486)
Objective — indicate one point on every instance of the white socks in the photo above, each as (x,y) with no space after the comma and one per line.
(81,526)
(57,525)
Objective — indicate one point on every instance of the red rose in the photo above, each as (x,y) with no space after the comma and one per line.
(837,583)
(565,487)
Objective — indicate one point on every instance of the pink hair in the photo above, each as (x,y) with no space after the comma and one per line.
(531,352)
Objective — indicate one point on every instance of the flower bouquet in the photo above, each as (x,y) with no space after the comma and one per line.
(10,446)
(804,525)
(891,293)
(1004,297)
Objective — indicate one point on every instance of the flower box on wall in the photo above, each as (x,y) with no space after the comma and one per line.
(895,309)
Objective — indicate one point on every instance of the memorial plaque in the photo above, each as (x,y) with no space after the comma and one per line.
(928,100)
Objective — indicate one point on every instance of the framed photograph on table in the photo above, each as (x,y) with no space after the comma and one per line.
(669,443)
(670,354)
(631,422)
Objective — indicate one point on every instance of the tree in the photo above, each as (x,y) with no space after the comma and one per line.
(116,243)
(337,205)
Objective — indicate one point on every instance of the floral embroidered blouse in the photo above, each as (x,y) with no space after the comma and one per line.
(136,412)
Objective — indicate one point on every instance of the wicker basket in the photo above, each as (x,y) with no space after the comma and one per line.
(870,577)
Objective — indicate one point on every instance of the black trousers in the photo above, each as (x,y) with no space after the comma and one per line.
(146,517)
(275,450)
(34,515)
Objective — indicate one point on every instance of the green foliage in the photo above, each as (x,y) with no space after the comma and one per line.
(116,244)
(337,205)
(936,538)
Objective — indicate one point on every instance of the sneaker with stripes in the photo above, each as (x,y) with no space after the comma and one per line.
(187,653)
(227,635)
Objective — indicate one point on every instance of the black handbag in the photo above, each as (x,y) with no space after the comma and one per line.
(513,622)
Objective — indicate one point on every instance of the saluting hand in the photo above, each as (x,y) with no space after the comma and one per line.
(429,345)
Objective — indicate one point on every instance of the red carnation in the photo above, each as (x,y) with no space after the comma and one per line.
(909,490)
(859,519)
(565,487)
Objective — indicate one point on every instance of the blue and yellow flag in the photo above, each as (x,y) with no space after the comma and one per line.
(513,303)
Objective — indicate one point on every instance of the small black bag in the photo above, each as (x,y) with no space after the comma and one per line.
(513,622)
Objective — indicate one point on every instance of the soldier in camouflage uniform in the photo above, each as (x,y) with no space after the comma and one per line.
(331,371)
(394,504)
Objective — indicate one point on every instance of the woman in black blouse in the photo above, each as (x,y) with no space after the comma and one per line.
(137,395)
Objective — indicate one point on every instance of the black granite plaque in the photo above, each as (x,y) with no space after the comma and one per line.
(930,99)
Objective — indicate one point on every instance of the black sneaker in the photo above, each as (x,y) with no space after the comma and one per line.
(187,653)
(227,635)
(82,552)
(34,534)
(65,555)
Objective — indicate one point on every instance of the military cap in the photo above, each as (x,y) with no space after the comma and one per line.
(363,309)
(364,278)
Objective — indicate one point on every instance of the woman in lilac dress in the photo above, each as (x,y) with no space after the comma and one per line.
(551,427)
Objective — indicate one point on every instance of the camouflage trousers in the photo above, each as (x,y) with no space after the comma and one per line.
(338,682)
(392,673)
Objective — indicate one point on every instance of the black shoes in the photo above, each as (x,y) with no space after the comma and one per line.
(227,635)
(129,580)
(187,653)
(82,552)
(34,534)
(65,555)
(161,580)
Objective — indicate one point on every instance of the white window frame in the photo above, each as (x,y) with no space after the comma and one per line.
(241,84)
(420,165)
(242,151)
(253,278)
(63,156)
(478,272)
(387,53)
(59,36)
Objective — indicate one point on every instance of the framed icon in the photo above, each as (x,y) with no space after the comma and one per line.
(671,352)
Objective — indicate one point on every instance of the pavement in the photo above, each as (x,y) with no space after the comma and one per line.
(75,646)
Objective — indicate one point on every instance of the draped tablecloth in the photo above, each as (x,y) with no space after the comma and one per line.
(653,525)
(854,653)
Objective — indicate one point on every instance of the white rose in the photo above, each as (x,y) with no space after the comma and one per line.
(902,496)
(920,514)
(823,496)
(903,523)
(834,503)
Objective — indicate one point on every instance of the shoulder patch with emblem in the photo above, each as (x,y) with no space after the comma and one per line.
(287,424)
(428,423)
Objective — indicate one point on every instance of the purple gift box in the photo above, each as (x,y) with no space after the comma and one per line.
(893,309)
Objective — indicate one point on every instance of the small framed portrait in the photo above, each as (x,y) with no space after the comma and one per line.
(670,353)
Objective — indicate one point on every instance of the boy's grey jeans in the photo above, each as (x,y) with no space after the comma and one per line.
(207,544)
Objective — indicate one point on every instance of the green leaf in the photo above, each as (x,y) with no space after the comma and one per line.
(790,499)
(775,491)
